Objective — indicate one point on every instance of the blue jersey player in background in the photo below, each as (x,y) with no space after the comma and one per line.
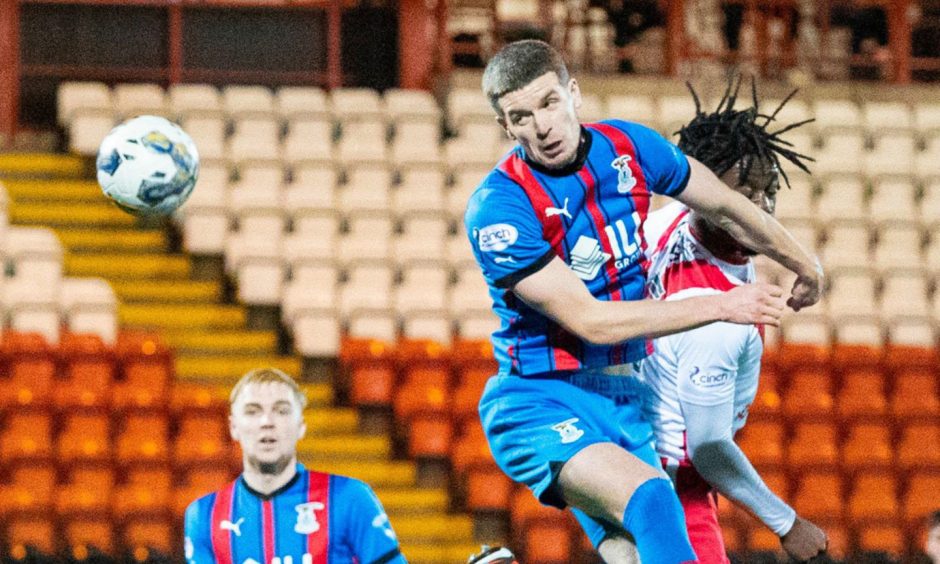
(557,229)
(277,511)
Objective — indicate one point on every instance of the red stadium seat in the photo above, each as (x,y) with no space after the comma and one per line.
(141,537)
(145,386)
(430,435)
(919,446)
(767,401)
(82,535)
(762,442)
(84,438)
(901,358)
(203,438)
(31,369)
(920,497)
(847,357)
(873,498)
(89,373)
(471,448)
(818,496)
(549,542)
(28,436)
(794,356)
(488,488)
(862,395)
(34,531)
(144,439)
(29,492)
(372,383)
(477,354)
(146,492)
(915,395)
(809,395)
(141,347)
(88,492)
(421,396)
(185,398)
(813,445)
(868,446)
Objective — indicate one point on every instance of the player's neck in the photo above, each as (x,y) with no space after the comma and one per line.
(266,483)
(717,241)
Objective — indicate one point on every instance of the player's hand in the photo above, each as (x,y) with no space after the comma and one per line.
(754,303)
(807,289)
(804,540)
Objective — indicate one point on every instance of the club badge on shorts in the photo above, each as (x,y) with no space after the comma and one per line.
(568,432)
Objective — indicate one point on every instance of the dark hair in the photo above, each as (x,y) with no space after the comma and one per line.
(934,519)
(722,138)
(518,64)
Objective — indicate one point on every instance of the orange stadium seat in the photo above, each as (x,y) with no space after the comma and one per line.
(84,438)
(919,446)
(143,440)
(88,492)
(767,401)
(762,539)
(915,395)
(30,491)
(886,538)
(146,491)
(794,356)
(847,357)
(899,358)
(34,531)
(141,347)
(467,353)
(145,386)
(83,535)
(813,445)
(141,537)
(27,436)
(371,371)
(430,435)
(89,373)
(862,394)
(809,395)
(470,448)
(429,394)
(731,535)
(203,438)
(31,369)
(873,498)
(185,397)
(549,542)
(467,394)
(762,442)
(920,497)
(197,483)
(868,445)
(488,488)
(526,509)
(818,496)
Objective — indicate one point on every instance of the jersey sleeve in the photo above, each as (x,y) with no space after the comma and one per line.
(708,362)
(505,234)
(367,528)
(665,166)
(197,531)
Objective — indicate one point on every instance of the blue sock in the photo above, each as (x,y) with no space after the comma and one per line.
(655,518)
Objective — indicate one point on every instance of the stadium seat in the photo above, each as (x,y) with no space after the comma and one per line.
(32,311)
(38,532)
(185,99)
(762,442)
(72,97)
(143,537)
(466,398)
(797,203)
(430,435)
(761,540)
(880,116)
(892,157)
(873,498)
(920,495)
(31,370)
(466,180)
(862,395)
(198,482)
(809,395)
(367,188)
(145,386)
(421,189)
(202,439)
(905,293)
(894,199)
(915,395)
(84,438)
(358,104)
(882,538)
(302,101)
(919,446)
(813,445)
(836,113)
(30,491)
(470,448)
(840,154)
(806,338)
(899,246)
(846,245)
(26,436)
(89,306)
(766,403)
(145,492)
(847,357)
(868,446)
(206,219)
(422,239)
(87,127)
(309,197)
(258,266)
(83,536)
(675,111)
(916,331)
(818,495)
(143,440)
(852,293)
(416,144)
(250,100)
(549,542)
(136,99)
(88,492)
(309,141)
(89,375)
(208,132)
(926,164)
(488,488)
(368,287)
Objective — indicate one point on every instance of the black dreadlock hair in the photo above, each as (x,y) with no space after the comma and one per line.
(725,136)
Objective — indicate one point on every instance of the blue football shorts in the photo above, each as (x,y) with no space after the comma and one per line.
(536,424)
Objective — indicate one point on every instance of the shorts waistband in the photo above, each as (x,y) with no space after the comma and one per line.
(610,381)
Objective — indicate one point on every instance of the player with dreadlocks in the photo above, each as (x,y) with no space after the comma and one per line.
(702,381)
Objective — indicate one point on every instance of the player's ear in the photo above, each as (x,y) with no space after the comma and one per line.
(574,89)
(232,429)
(502,123)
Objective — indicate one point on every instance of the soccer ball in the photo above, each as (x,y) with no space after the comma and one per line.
(147,166)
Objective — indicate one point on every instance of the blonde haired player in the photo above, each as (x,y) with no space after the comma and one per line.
(277,511)
(702,381)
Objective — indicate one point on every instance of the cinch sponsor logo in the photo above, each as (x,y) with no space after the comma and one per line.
(708,380)
(496,237)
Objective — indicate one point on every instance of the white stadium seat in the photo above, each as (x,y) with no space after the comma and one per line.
(842,152)
(367,188)
(258,210)
(905,293)
(913,332)
(797,202)
(206,219)
(837,114)
(882,116)
(31,311)
(89,305)
(404,106)
(73,96)
(88,126)
(847,245)
(927,116)
(806,328)
(35,257)
(258,266)
(633,107)
(208,133)
(186,99)
(894,199)
(293,102)
(893,156)
(852,292)
(844,199)
(899,246)
(859,330)
(140,99)
(369,238)
(423,237)
(421,188)
(317,334)
(243,100)
(309,140)
(358,104)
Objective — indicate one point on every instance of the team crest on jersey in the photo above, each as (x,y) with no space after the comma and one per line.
(307,518)
(567,430)
(625,179)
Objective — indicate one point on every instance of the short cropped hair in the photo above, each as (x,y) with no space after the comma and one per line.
(265,376)
(518,64)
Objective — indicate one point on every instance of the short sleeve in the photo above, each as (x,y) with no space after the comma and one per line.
(505,234)
(708,362)
(197,530)
(665,166)
(368,531)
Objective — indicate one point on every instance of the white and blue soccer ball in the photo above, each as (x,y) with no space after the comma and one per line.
(147,166)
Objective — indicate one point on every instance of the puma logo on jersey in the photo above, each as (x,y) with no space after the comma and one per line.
(235,527)
(563,210)
(501,260)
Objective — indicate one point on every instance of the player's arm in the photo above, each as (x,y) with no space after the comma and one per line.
(197,531)
(558,293)
(756,229)
(368,530)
